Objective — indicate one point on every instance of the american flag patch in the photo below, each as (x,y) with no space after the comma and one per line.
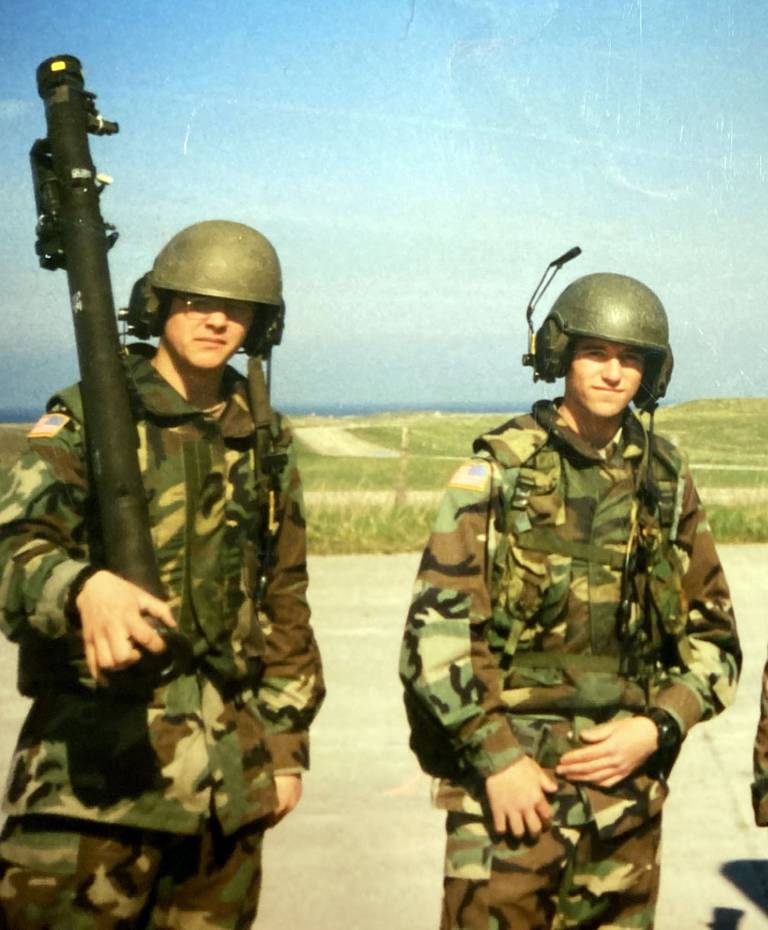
(471,476)
(48,425)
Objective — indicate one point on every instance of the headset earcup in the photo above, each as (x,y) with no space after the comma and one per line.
(656,378)
(144,316)
(665,373)
(551,351)
(266,330)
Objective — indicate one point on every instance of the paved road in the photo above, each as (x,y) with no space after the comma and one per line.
(338,441)
(364,850)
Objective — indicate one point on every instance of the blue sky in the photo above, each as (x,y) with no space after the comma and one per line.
(417,165)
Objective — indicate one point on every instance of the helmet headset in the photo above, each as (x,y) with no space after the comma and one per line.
(607,306)
(216,258)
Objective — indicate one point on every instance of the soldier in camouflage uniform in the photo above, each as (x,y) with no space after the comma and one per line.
(132,802)
(570,624)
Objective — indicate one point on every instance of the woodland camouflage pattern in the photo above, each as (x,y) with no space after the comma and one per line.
(494,881)
(760,784)
(514,642)
(209,740)
(90,876)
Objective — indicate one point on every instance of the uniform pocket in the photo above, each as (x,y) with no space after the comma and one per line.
(536,500)
(665,581)
(533,586)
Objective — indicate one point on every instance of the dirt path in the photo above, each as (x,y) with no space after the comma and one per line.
(337,441)
(732,496)
(370,497)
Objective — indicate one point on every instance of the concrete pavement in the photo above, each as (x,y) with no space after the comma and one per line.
(364,849)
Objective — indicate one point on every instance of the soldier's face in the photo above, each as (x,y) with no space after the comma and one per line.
(603,377)
(203,333)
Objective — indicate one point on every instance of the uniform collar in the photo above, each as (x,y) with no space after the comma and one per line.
(158,398)
(631,439)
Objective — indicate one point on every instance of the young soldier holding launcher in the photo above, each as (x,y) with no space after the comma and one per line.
(138,800)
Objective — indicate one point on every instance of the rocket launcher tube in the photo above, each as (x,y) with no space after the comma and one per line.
(78,239)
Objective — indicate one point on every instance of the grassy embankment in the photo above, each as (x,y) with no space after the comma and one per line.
(715,433)
(368,504)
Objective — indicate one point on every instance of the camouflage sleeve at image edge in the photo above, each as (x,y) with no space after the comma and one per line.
(760,758)
(292,687)
(42,533)
(445,663)
(709,647)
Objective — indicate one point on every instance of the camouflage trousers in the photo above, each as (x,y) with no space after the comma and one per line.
(58,873)
(569,877)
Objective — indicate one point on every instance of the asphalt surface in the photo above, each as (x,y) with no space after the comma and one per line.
(364,849)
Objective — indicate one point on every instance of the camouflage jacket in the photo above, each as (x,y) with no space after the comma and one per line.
(760,784)
(210,740)
(516,639)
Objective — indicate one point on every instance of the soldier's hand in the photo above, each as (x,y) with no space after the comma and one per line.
(288,788)
(117,619)
(518,798)
(615,749)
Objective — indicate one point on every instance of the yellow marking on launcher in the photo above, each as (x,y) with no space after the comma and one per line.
(471,476)
(48,425)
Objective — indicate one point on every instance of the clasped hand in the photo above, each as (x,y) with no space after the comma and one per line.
(613,751)
(119,621)
(518,795)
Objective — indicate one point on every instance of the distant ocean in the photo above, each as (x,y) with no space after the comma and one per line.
(19,414)
(30,414)
(358,410)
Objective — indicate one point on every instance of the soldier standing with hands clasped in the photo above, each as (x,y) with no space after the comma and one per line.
(570,623)
(137,797)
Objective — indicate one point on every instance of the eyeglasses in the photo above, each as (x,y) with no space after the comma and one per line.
(197,306)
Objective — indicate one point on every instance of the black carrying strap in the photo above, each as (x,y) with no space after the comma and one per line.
(269,462)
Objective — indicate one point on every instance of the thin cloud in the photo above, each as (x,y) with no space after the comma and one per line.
(613,173)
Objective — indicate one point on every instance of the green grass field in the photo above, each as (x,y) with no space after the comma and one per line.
(726,441)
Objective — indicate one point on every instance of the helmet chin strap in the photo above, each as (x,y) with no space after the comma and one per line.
(259,390)
(269,462)
(648,489)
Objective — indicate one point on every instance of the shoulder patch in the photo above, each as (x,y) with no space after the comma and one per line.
(48,425)
(471,476)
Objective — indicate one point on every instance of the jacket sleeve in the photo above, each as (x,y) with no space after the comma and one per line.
(292,687)
(705,682)
(446,666)
(42,533)
(760,758)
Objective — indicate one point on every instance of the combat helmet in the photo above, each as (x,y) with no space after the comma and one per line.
(218,258)
(613,307)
